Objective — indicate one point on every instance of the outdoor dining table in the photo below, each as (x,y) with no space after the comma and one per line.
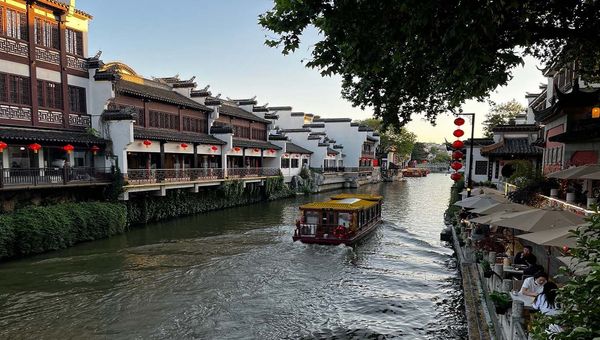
(510,269)
(527,300)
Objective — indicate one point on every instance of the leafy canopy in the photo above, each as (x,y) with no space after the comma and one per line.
(403,57)
(500,114)
(399,140)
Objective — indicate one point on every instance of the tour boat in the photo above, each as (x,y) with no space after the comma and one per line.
(414,172)
(344,219)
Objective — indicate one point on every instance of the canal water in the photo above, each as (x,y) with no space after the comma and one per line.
(236,274)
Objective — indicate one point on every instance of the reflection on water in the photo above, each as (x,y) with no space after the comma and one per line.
(236,274)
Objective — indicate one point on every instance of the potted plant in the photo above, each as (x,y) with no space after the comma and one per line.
(501,301)
(487,269)
(478,256)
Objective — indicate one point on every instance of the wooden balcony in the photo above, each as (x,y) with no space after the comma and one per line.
(27,178)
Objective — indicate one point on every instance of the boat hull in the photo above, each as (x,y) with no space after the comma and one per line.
(361,234)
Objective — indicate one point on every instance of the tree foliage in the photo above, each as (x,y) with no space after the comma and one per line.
(402,57)
(419,152)
(578,298)
(398,140)
(501,114)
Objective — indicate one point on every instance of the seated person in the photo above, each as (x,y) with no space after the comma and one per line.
(525,257)
(533,286)
(545,303)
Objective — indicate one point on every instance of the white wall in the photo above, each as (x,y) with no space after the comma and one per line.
(476,157)
(350,138)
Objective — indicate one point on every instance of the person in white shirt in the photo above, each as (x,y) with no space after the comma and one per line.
(545,302)
(533,286)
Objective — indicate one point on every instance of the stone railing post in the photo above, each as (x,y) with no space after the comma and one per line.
(516,317)
(492,258)
(499,270)
(506,285)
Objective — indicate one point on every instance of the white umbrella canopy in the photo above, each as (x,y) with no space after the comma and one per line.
(540,219)
(480,201)
(491,218)
(557,237)
(593,175)
(501,207)
(576,172)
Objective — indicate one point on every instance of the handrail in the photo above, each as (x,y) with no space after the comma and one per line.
(149,176)
(52,176)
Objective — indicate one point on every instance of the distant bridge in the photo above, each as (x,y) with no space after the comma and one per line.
(435,167)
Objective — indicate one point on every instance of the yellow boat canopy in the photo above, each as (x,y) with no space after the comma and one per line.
(345,202)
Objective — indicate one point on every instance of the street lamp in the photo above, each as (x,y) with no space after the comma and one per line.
(469,178)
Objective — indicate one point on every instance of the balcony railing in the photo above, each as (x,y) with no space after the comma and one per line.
(334,169)
(150,176)
(17,177)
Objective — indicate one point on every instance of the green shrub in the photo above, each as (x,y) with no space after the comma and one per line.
(34,230)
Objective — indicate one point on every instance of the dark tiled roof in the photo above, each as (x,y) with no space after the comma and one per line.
(248,101)
(175,136)
(200,93)
(332,120)
(271,116)
(479,141)
(516,128)
(297,114)
(323,144)
(309,115)
(364,128)
(576,98)
(583,131)
(313,125)
(122,114)
(158,94)
(338,146)
(260,109)
(280,108)
(314,138)
(220,129)
(8,134)
(295,130)
(329,150)
(318,133)
(376,134)
(237,112)
(260,144)
(278,137)
(354,124)
(371,139)
(293,148)
(63,5)
(510,147)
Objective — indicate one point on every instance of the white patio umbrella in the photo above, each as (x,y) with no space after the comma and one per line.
(557,237)
(491,218)
(540,219)
(479,201)
(576,172)
(593,175)
(501,207)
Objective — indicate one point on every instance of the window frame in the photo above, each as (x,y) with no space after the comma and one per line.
(82,94)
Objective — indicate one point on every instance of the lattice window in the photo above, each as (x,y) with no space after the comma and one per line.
(46,33)
(74,42)
(16,24)
(77,99)
(49,95)
(481,167)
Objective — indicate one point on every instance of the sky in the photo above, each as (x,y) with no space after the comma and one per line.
(221,43)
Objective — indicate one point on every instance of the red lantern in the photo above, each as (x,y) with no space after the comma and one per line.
(458,133)
(236,149)
(457,155)
(35,147)
(147,143)
(565,249)
(68,148)
(456,165)
(459,121)
(458,144)
(214,148)
(271,151)
(256,150)
(3,146)
(95,149)
(285,155)
(183,146)
(456,177)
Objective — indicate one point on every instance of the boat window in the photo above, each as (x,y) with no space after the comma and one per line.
(344,219)
(312,217)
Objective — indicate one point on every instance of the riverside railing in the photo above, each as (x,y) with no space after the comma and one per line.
(150,176)
(23,177)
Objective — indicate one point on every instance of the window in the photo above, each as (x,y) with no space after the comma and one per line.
(194,124)
(77,100)
(49,95)
(16,24)
(294,163)
(14,89)
(46,34)
(74,42)
(481,167)
(164,120)
(285,163)
(259,133)
(241,131)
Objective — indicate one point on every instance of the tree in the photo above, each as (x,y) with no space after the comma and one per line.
(500,114)
(404,57)
(419,152)
(440,157)
(578,298)
(398,140)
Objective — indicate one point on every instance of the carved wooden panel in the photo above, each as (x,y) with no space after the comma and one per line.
(48,56)
(76,63)
(15,113)
(51,117)
(14,47)
(80,120)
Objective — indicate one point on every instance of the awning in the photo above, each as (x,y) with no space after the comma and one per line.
(540,219)
(176,136)
(259,144)
(557,237)
(501,207)
(480,201)
(26,135)
(576,172)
